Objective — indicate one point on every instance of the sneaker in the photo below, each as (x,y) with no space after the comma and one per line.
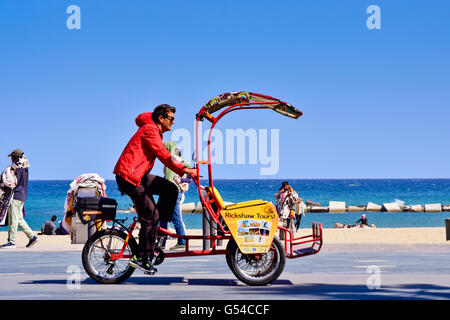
(139,263)
(8,245)
(178,246)
(32,242)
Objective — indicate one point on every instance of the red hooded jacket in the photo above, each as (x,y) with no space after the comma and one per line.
(144,147)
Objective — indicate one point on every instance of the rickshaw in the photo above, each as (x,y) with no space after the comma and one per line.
(253,251)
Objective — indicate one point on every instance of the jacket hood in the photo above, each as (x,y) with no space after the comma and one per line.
(171,146)
(144,118)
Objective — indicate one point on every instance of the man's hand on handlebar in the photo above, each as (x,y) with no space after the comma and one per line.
(191,171)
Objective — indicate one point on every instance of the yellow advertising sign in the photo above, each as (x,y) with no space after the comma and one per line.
(253,225)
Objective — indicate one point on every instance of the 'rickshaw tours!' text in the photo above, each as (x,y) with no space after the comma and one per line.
(242,215)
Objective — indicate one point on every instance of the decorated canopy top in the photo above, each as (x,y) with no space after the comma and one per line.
(246,98)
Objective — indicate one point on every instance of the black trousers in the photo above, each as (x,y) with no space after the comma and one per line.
(149,212)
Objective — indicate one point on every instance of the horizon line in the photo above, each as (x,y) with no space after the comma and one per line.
(110,179)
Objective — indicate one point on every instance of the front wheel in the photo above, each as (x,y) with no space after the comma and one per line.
(97,253)
(256,269)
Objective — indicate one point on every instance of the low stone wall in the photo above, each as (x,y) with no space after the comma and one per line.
(341,207)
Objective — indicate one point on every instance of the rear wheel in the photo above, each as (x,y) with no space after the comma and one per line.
(97,253)
(256,269)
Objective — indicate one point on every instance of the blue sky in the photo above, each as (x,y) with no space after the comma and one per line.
(375,102)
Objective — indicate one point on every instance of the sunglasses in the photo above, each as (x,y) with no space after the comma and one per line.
(171,119)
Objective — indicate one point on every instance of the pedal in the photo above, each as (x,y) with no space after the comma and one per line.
(110,268)
(151,273)
(158,257)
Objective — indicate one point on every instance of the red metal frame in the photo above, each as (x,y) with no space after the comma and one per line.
(290,242)
(315,238)
(210,198)
(186,252)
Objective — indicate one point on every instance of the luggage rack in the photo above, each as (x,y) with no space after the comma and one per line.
(315,239)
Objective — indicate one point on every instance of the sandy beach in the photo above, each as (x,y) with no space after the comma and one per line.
(356,236)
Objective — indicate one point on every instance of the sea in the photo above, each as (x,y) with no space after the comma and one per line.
(47,197)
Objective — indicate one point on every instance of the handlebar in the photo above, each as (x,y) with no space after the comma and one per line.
(186,180)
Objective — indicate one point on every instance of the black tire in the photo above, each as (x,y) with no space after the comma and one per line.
(96,253)
(256,270)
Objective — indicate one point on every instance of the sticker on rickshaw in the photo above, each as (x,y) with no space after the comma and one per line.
(252,224)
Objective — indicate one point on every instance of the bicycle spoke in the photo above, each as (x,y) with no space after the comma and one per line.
(100,253)
(254,267)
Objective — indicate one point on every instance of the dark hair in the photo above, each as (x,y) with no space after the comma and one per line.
(54,218)
(284,183)
(162,110)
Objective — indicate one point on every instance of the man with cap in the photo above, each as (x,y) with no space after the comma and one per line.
(20,167)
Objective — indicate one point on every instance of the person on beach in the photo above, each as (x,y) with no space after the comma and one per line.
(363,222)
(49,227)
(19,166)
(61,230)
(339,225)
(133,178)
(286,203)
(177,218)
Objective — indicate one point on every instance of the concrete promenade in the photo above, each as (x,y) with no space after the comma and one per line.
(339,271)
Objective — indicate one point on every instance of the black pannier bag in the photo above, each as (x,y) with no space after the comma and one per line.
(95,208)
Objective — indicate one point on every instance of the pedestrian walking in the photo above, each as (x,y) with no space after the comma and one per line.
(19,166)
